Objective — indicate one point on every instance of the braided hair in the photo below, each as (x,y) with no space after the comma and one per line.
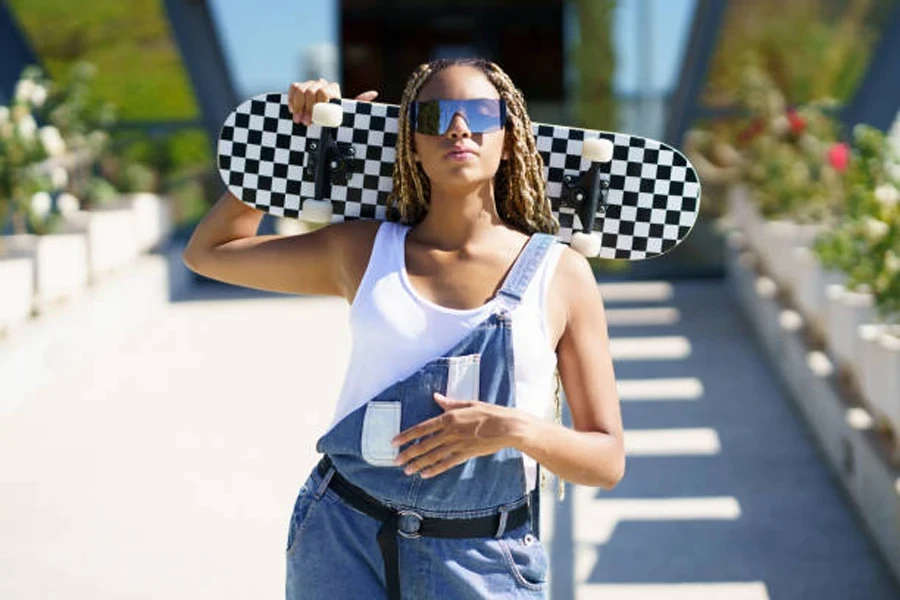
(519,189)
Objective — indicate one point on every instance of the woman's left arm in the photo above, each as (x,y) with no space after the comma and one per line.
(593,451)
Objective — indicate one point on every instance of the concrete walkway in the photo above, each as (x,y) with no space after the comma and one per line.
(164,464)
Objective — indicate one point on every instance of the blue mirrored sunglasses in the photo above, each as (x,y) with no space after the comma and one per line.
(482,115)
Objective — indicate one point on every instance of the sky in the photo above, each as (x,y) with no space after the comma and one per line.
(265,40)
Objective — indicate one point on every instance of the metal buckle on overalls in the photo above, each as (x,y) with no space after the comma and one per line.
(409,513)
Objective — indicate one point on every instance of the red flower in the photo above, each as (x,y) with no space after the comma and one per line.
(752,130)
(839,156)
(798,123)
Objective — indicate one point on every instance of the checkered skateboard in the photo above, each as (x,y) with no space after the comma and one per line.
(641,203)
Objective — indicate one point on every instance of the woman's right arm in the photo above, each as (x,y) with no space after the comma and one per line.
(225,246)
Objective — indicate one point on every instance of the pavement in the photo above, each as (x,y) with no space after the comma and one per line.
(164,462)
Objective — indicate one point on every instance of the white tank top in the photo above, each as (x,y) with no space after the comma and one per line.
(393,325)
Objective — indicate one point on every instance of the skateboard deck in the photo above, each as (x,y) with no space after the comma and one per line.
(640,202)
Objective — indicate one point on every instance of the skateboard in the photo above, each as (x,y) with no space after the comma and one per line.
(616,196)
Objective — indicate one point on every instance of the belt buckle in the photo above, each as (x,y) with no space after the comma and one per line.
(410,513)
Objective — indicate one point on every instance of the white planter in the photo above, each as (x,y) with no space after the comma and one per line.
(779,240)
(880,373)
(153,219)
(846,312)
(744,214)
(17,285)
(811,280)
(889,344)
(111,238)
(60,265)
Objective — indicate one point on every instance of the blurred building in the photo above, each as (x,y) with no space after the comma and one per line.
(382,41)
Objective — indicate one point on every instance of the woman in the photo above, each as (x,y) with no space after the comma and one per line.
(461,313)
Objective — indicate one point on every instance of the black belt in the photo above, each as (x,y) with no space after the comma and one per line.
(489,526)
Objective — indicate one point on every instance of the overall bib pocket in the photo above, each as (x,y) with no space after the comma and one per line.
(380,425)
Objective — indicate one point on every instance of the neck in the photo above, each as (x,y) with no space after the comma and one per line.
(459,217)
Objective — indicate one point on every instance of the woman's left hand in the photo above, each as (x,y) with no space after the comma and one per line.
(468,428)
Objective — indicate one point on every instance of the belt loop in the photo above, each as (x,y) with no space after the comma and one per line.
(326,479)
(504,512)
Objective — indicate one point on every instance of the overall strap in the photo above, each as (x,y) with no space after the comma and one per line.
(525,267)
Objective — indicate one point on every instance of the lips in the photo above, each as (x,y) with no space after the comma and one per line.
(460,152)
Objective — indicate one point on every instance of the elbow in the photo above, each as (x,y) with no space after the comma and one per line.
(613,471)
(613,476)
(192,260)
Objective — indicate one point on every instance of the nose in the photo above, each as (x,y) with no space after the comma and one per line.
(459,127)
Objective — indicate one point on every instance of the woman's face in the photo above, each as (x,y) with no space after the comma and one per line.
(459,157)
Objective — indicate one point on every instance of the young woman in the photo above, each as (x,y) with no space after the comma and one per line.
(461,313)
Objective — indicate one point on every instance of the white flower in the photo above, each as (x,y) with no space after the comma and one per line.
(892,262)
(887,195)
(24,91)
(4,115)
(52,140)
(780,125)
(894,172)
(68,204)
(876,229)
(97,139)
(27,127)
(41,203)
(59,177)
(39,95)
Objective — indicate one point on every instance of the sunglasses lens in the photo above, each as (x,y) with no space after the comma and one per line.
(481,115)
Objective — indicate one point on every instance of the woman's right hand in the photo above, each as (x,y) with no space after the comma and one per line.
(302,96)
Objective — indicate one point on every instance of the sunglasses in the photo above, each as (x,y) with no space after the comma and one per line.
(482,115)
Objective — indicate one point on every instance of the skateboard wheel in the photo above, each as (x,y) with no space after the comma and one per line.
(316,211)
(597,150)
(327,115)
(586,244)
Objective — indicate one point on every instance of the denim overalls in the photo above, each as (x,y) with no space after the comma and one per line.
(332,552)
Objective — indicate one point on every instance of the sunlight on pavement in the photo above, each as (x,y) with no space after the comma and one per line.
(642,316)
(749,590)
(650,348)
(667,442)
(645,291)
(681,388)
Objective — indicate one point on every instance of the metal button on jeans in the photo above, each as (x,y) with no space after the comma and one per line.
(529,539)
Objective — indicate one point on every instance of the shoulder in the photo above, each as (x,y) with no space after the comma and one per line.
(573,295)
(573,269)
(575,285)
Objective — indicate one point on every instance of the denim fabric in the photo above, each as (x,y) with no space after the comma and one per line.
(332,550)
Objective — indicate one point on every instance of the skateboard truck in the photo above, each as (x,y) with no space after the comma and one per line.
(330,162)
(588,194)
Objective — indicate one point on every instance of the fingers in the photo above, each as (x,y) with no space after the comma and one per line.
(367,96)
(303,96)
(443,463)
(420,430)
(424,446)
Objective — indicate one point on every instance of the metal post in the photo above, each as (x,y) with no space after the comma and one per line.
(877,100)
(201,53)
(16,52)
(707,22)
